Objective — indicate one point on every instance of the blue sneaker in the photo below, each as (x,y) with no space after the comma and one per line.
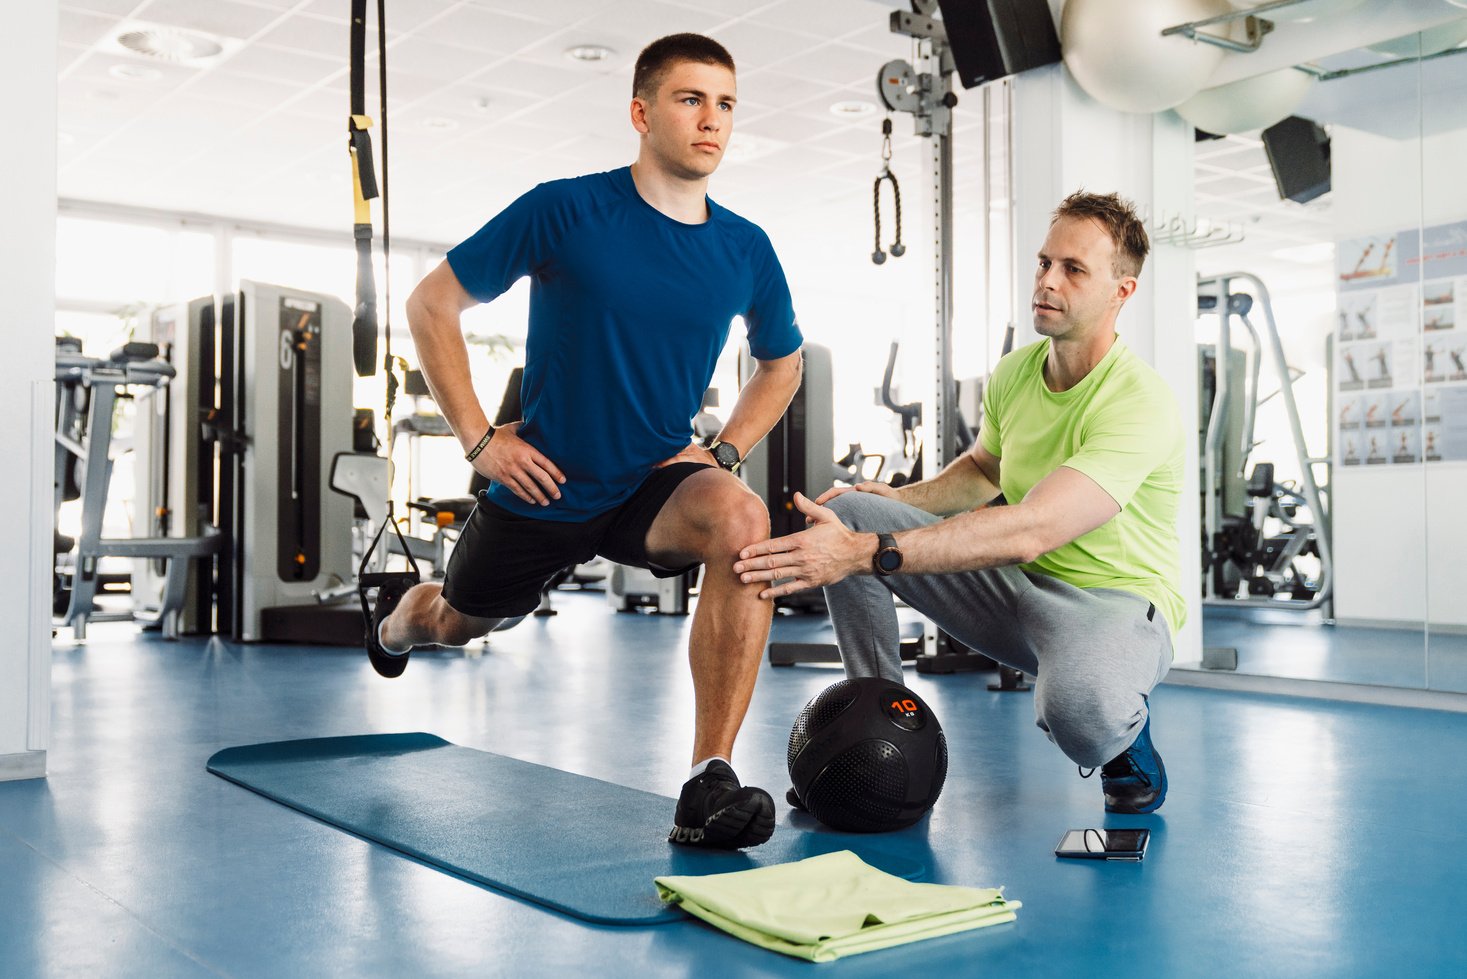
(1134,781)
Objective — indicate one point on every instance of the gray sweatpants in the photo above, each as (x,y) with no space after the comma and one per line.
(1096,653)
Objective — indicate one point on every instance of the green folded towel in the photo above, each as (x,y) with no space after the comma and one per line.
(832,905)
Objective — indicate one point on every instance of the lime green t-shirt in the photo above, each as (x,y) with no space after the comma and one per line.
(1121,427)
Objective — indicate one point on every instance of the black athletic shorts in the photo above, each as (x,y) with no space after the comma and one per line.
(502,559)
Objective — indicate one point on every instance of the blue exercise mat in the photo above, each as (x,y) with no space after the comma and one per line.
(572,843)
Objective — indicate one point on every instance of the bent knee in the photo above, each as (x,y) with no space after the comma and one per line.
(857,510)
(1089,732)
(737,519)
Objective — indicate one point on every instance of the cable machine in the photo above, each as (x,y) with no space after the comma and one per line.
(929,97)
(1254,528)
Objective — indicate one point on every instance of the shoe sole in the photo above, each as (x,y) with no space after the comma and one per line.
(389,665)
(748,822)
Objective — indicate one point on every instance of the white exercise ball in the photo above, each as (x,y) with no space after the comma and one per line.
(1117,53)
(1433,40)
(1247,104)
(1304,12)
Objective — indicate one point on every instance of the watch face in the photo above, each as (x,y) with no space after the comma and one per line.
(726,454)
(889,560)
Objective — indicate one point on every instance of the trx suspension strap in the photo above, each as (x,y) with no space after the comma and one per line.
(364,322)
(364,189)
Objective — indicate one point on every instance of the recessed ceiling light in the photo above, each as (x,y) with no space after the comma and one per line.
(589,53)
(852,108)
(135,73)
(440,122)
(171,44)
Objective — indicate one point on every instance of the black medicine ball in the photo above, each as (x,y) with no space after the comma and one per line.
(867,755)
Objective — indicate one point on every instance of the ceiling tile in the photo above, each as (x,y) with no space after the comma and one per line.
(316,36)
(788,127)
(756,46)
(84,27)
(223,17)
(117,8)
(778,89)
(532,80)
(559,12)
(836,64)
(820,18)
(728,8)
(877,36)
(295,67)
(439,61)
(97,69)
(484,30)
(240,89)
(657,19)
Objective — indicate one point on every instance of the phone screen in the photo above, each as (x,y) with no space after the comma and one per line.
(1104,844)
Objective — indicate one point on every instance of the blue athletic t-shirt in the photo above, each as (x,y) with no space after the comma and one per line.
(629,311)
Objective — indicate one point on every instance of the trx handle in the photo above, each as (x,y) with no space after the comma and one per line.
(364,189)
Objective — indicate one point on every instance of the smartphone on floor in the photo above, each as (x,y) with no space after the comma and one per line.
(1104,844)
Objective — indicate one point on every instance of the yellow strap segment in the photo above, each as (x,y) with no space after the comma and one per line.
(362,208)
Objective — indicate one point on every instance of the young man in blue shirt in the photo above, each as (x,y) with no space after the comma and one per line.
(636,276)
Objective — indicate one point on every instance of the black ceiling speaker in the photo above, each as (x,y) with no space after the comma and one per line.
(991,39)
(1298,152)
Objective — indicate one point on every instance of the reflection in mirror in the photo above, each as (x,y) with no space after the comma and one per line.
(1329,430)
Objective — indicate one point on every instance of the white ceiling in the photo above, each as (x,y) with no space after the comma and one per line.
(482,104)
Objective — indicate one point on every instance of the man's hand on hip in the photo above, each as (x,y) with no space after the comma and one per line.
(510,460)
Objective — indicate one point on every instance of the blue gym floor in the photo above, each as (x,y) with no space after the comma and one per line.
(1301,838)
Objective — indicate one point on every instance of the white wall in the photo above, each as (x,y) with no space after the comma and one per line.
(1063,141)
(27,272)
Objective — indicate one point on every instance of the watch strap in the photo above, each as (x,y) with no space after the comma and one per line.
(722,458)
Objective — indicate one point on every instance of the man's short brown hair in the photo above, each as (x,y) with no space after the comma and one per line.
(657,57)
(1118,217)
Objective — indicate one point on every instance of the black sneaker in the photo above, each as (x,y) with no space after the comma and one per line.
(1134,781)
(715,811)
(387,663)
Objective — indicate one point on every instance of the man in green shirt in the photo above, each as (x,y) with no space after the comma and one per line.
(1076,581)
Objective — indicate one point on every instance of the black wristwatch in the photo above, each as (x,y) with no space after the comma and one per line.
(726,454)
(888,557)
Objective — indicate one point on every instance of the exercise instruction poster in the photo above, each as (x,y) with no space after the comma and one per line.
(1401,355)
